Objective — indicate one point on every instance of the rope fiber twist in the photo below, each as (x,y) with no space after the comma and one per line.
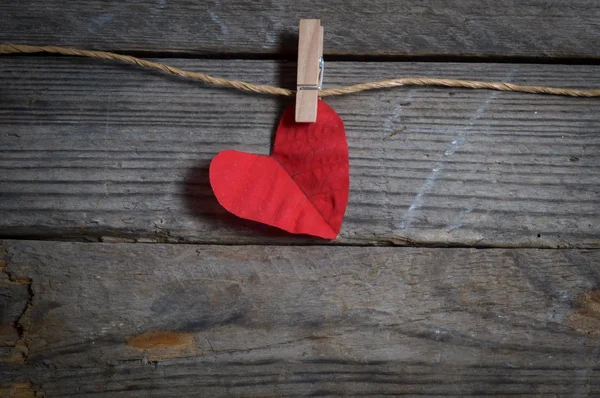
(266,89)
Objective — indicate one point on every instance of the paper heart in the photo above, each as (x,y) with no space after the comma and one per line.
(302,187)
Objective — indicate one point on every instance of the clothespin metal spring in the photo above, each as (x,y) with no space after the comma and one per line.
(321,75)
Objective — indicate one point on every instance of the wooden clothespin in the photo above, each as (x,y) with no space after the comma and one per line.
(310,69)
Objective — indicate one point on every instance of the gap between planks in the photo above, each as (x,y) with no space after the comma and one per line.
(301,242)
(342,57)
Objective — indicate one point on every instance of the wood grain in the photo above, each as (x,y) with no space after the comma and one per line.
(129,319)
(497,28)
(91,149)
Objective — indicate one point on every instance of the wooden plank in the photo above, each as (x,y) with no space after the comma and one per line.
(92,149)
(126,319)
(531,28)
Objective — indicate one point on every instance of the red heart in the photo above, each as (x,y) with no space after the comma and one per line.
(301,188)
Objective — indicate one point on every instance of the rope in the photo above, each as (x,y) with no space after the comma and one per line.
(266,89)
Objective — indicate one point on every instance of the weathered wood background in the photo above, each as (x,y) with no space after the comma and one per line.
(476,212)
(479,28)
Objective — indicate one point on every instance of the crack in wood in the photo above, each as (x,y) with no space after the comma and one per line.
(14,334)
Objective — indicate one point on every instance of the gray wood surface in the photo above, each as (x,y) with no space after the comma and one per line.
(185,320)
(532,28)
(96,149)
(99,151)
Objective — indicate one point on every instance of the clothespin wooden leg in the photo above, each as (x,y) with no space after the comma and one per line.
(310,69)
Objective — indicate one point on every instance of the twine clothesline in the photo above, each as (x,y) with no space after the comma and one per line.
(266,89)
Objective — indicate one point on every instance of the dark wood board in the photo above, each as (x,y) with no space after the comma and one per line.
(100,151)
(95,149)
(134,319)
(492,28)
